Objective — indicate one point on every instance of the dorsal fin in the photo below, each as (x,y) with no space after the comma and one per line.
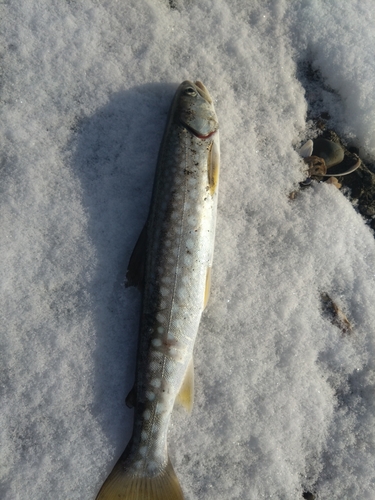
(136,266)
(131,398)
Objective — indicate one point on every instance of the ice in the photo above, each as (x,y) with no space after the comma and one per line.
(284,399)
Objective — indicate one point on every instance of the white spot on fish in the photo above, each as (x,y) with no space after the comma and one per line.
(156,342)
(192,221)
(156,382)
(188,260)
(166,279)
(143,451)
(160,329)
(150,395)
(144,435)
(160,317)
(175,309)
(189,243)
(164,291)
(160,408)
(138,464)
(152,466)
(147,414)
(170,335)
(194,194)
(176,324)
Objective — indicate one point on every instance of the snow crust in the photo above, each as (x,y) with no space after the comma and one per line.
(284,400)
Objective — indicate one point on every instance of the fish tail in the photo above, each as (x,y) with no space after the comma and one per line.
(123,485)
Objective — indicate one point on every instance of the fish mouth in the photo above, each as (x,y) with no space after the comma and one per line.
(203,91)
(196,133)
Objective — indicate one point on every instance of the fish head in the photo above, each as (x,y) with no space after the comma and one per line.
(194,109)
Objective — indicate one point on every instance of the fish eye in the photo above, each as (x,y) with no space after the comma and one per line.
(190,91)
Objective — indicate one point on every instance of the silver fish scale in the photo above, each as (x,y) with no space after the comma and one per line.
(181,229)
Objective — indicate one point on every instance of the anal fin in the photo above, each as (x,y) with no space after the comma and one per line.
(185,397)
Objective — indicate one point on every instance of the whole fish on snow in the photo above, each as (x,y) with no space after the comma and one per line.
(171,264)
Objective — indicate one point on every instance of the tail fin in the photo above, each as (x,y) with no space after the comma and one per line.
(123,485)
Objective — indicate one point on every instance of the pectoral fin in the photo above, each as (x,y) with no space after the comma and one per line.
(136,266)
(207,287)
(186,395)
(214,166)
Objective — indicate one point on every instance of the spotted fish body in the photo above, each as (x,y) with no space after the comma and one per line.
(177,243)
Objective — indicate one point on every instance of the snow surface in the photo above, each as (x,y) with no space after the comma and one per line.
(285,402)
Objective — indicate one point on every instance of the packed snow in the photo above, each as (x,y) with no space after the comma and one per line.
(284,398)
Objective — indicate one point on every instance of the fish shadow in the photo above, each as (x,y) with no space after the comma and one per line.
(114,155)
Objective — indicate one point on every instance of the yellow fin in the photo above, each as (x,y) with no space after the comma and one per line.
(214,166)
(186,395)
(207,287)
(122,485)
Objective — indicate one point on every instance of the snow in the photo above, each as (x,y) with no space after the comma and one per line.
(284,400)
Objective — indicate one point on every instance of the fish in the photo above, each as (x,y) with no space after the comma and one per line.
(171,264)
